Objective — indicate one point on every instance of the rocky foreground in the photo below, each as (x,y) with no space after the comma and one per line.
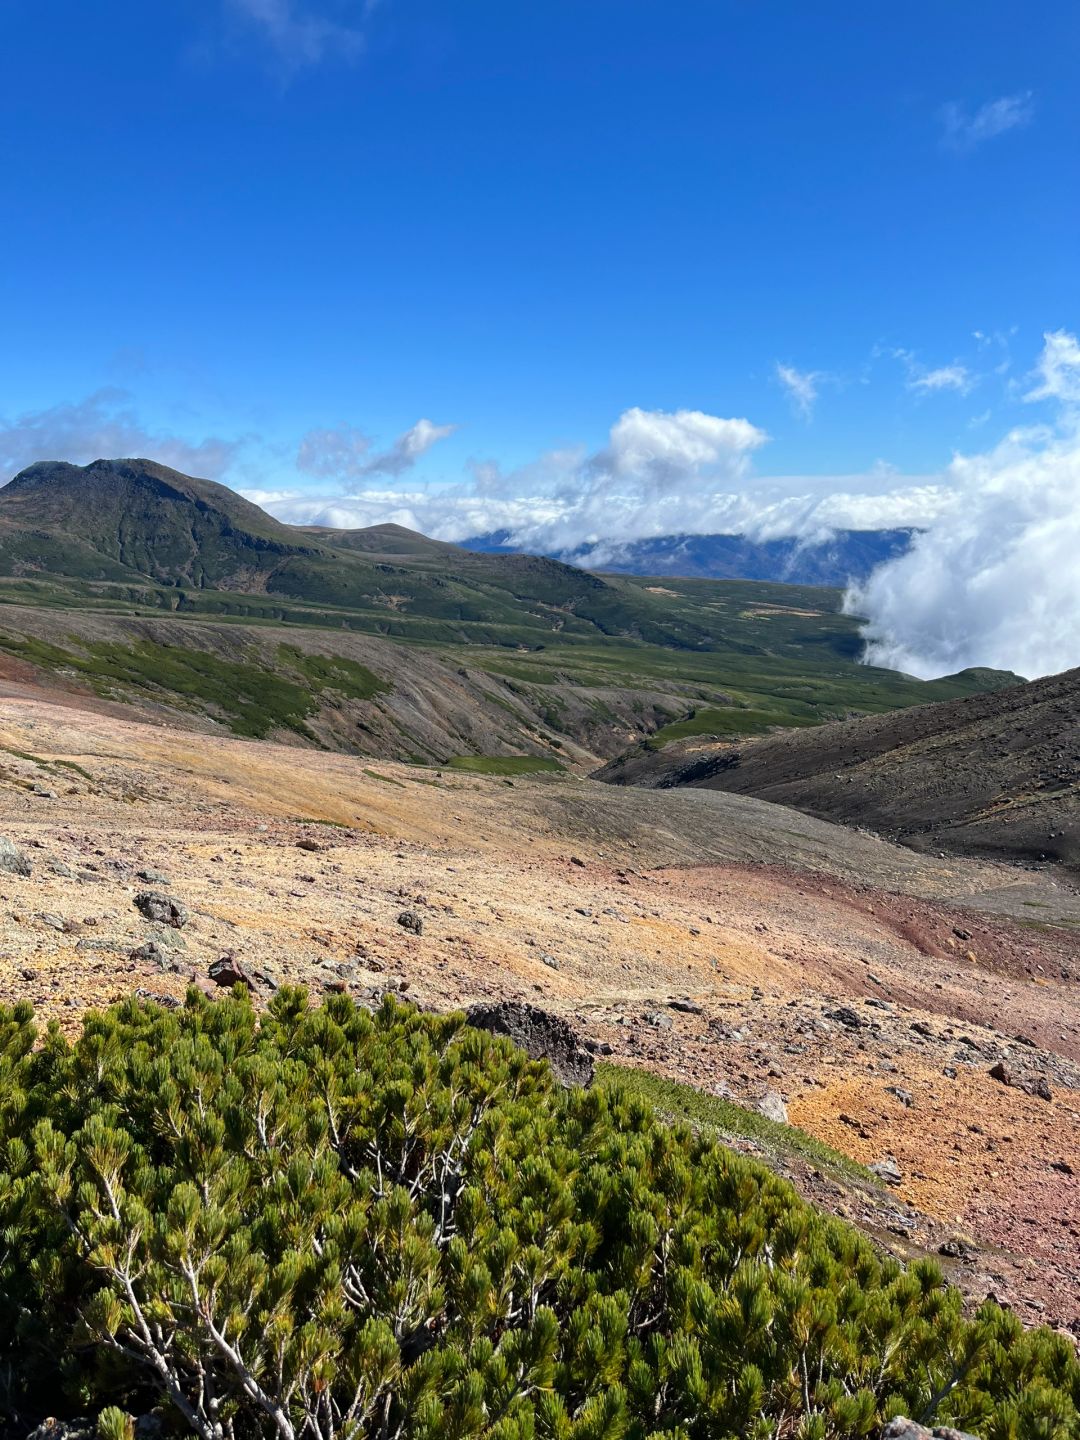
(919,1015)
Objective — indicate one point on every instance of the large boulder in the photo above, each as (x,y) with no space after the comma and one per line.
(162,909)
(12,860)
(540,1034)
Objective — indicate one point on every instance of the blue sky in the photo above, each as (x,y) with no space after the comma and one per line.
(246,233)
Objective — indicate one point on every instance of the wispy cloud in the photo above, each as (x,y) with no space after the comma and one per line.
(346,453)
(924,380)
(1058,370)
(802,387)
(104,425)
(300,35)
(946,377)
(963,130)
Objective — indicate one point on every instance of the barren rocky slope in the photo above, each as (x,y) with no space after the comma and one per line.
(995,774)
(705,937)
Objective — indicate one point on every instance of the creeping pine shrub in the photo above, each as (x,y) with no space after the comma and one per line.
(321,1224)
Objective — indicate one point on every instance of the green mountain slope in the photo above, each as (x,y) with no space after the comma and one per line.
(600,660)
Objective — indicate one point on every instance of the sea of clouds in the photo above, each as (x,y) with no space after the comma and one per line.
(992,578)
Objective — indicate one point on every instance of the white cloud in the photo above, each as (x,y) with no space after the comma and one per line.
(659,474)
(104,425)
(956,376)
(345,453)
(946,377)
(963,130)
(1058,369)
(301,36)
(657,450)
(995,578)
(801,386)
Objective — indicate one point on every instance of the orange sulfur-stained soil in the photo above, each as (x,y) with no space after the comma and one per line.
(872,989)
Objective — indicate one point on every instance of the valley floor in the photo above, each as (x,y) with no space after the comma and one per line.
(872,988)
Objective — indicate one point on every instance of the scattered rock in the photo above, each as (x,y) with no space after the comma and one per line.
(904,1096)
(1062,1166)
(887,1170)
(153,877)
(411,921)
(540,1034)
(549,960)
(170,1002)
(1001,1072)
(686,1006)
(954,1248)
(904,1429)
(54,922)
(12,860)
(659,1021)
(1040,1088)
(772,1106)
(313,845)
(576,860)
(80,1429)
(161,909)
(844,1015)
(228,971)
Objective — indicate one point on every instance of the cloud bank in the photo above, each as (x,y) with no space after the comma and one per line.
(995,579)
(660,473)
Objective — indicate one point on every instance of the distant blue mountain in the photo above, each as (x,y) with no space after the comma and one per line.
(849,555)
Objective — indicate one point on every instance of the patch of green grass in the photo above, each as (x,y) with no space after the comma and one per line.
(386,779)
(334,672)
(253,699)
(503,764)
(730,720)
(723,1119)
(315,820)
(78,769)
(22,754)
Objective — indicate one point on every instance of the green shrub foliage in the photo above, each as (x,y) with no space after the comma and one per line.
(322,1224)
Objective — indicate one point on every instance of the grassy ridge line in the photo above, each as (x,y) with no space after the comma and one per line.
(725,1120)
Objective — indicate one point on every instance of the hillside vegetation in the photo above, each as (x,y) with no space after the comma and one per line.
(553,655)
(325,1222)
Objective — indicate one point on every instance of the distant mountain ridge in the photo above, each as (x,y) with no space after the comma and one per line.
(126,580)
(847,556)
(135,521)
